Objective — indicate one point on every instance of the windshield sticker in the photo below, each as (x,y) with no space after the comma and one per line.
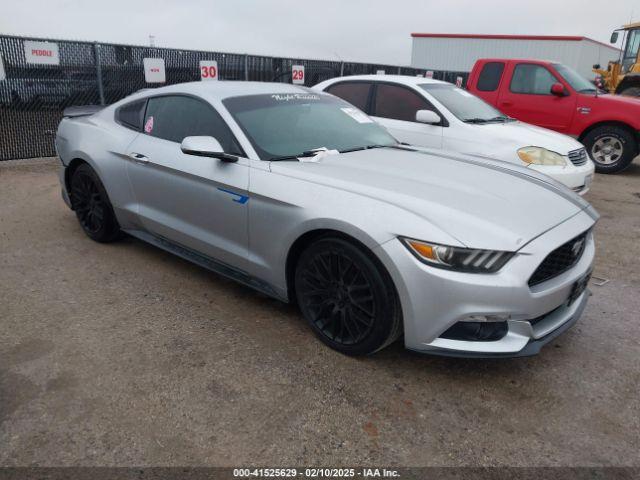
(287,97)
(148,126)
(357,115)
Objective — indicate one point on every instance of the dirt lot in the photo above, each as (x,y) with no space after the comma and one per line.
(125,355)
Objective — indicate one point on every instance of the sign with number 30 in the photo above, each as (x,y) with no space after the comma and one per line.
(208,70)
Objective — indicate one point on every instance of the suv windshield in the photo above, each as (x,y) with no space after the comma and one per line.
(293,124)
(573,78)
(463,105)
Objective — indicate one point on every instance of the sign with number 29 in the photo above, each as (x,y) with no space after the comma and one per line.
(297,74)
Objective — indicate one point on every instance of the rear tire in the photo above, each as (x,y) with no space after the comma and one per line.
(631,92)
(347,297)
(91,203)
(611,148)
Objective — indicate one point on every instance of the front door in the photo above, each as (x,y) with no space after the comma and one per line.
(528,98)
(196,202)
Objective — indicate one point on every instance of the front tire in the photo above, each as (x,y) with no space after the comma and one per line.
(91,203)
(611,148)
(347,297)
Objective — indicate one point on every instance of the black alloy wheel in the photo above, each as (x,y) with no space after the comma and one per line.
(91,204)
(346,297)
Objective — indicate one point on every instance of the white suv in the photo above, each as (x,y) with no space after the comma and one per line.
(430,113)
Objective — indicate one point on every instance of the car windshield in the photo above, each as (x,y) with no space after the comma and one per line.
(573,78)
(293,124)
(464,105)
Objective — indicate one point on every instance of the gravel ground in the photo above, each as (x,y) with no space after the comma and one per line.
(122,354)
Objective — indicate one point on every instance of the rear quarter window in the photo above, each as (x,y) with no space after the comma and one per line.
(131,115)
(490,76)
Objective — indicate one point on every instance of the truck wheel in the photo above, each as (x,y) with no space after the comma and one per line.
(631,92)
(611,148)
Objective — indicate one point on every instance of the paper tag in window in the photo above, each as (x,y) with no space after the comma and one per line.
(2,74)
(357,115)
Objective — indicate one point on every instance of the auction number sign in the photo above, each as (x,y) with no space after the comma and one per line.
(297,74)
(459,81)
(208,70)
(154,71)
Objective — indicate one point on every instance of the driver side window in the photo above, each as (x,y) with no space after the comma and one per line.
(398,103)
(532,79)
(174,117)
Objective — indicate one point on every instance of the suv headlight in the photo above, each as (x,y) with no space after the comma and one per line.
(456,258)
(540,156)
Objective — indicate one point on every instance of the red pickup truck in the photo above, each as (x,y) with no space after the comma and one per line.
(554,96)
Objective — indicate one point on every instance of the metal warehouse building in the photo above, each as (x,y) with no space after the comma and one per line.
(458,52)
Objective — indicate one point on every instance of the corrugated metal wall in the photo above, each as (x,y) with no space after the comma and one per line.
(461,53)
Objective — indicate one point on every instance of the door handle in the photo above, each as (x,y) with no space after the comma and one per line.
(506,104)
(138,157)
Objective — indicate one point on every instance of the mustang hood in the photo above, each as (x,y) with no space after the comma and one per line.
(482,203)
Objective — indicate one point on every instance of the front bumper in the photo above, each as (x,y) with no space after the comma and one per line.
(576,178)
(433,300)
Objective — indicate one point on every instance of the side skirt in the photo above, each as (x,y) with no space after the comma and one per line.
(209,263)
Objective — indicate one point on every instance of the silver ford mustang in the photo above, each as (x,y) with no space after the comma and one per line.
(303,197)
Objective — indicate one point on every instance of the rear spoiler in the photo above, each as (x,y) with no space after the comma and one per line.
(81,111)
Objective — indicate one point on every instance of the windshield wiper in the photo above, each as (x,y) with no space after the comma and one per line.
(501,118)
(368,147)
(475,120)
(306,153)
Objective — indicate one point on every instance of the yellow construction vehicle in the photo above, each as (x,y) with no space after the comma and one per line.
(623,77)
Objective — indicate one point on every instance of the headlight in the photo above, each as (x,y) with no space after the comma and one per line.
(540,156)
(455,258)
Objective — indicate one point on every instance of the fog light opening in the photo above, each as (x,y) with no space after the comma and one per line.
(484,331)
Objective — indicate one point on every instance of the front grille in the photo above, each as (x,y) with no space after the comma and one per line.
(560,260)
(578,157)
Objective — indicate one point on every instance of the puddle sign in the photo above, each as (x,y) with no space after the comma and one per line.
(41,53)
(297,74)
(2,74)
(459,81)
(208,70)
(154,70)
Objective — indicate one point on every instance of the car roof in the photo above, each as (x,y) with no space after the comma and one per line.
(401,79)
(222,89)
(518,60)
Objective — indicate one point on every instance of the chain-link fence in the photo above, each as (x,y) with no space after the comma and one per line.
(39,78)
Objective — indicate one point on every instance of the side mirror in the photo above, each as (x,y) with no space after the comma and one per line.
(206,147)
(557,89)
(427,116)
(614,37)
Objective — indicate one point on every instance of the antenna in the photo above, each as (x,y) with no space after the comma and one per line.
(152,40)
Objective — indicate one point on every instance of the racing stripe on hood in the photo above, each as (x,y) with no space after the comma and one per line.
(515,171)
